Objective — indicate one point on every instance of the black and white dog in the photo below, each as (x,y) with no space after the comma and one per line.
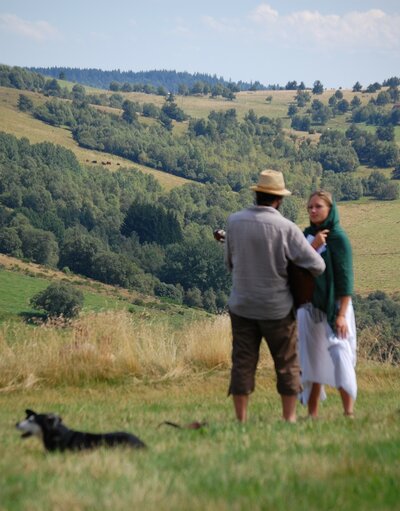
(56,436)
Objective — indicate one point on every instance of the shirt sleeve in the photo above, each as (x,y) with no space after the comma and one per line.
(227,253)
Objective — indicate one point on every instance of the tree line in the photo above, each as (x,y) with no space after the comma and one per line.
(169,80)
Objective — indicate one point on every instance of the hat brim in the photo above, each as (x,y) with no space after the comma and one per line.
(280,193)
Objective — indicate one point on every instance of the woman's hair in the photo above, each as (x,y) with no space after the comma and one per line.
(322,194)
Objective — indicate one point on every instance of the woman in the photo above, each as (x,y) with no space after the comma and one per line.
(327,331)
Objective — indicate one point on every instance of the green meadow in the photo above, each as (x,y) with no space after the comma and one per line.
(331,463)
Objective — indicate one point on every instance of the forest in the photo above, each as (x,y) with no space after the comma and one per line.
(152,80)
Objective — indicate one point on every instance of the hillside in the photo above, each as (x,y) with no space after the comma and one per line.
(20,281)
(21,124)
(158,239)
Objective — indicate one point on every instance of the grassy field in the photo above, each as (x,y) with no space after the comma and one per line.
(265,465)
(110,372)
(374,231)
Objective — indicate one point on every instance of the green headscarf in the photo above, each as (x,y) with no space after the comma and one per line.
(337,279)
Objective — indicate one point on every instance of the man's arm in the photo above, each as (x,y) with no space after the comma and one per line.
(300,252)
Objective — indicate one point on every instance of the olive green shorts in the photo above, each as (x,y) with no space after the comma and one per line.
(281,338)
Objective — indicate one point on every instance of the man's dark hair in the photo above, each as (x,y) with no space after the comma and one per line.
(266,199)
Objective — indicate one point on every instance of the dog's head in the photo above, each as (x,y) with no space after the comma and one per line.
(38,423)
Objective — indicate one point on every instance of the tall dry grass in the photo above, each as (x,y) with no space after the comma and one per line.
(109,346)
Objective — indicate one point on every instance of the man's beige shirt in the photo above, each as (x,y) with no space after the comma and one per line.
(260,242)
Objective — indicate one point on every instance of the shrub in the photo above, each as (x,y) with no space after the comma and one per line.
(59,299)
(378,322)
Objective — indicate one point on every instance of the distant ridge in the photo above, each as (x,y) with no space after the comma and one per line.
(170,80)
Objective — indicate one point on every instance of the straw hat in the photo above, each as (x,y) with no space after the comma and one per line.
(272,182)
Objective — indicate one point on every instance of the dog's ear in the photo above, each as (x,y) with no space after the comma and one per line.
(53,420)
(30,412)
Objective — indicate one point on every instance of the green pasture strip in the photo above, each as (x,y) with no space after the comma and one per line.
(332,463)
(374,231)
(16,289)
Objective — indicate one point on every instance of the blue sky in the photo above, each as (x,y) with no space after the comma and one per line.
(272,41)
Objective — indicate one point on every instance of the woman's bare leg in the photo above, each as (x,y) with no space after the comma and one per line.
(313,400)
(348,403)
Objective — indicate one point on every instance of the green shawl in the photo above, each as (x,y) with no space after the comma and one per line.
(337,279)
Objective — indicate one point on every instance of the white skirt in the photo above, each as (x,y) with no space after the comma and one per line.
(325,358)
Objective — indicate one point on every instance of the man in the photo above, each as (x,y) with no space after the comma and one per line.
(260,242)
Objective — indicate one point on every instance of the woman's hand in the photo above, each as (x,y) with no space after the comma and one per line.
(320,239)
(342,329)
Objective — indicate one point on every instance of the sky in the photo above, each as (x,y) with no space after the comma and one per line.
(274,41)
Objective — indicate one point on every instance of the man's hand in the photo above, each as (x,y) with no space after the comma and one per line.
(219,235)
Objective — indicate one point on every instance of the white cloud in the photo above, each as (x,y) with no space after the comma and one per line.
(264,13)
(372,29)
(223,25)
(34,30)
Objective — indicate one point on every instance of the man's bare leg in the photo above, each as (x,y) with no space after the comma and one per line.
(289,408)
(240,402)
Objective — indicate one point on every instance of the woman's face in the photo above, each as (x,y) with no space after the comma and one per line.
(318,210)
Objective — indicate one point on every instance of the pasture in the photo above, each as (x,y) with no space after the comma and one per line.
(102,375)
(22,124)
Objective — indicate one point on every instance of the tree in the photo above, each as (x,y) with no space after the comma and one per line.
(152,224)
(39,246)
(129,111)
(320,113)
(343,106)
(193,297)
(302,98)
(385,133)
(355,102)
(291,85)
(171,109)
(25,104)
(114,86)
(10,242)
(318,88)
(373,87)
(78,92)
(357,87)
(78,250)
(301,122)
(59,299)
(52,88)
